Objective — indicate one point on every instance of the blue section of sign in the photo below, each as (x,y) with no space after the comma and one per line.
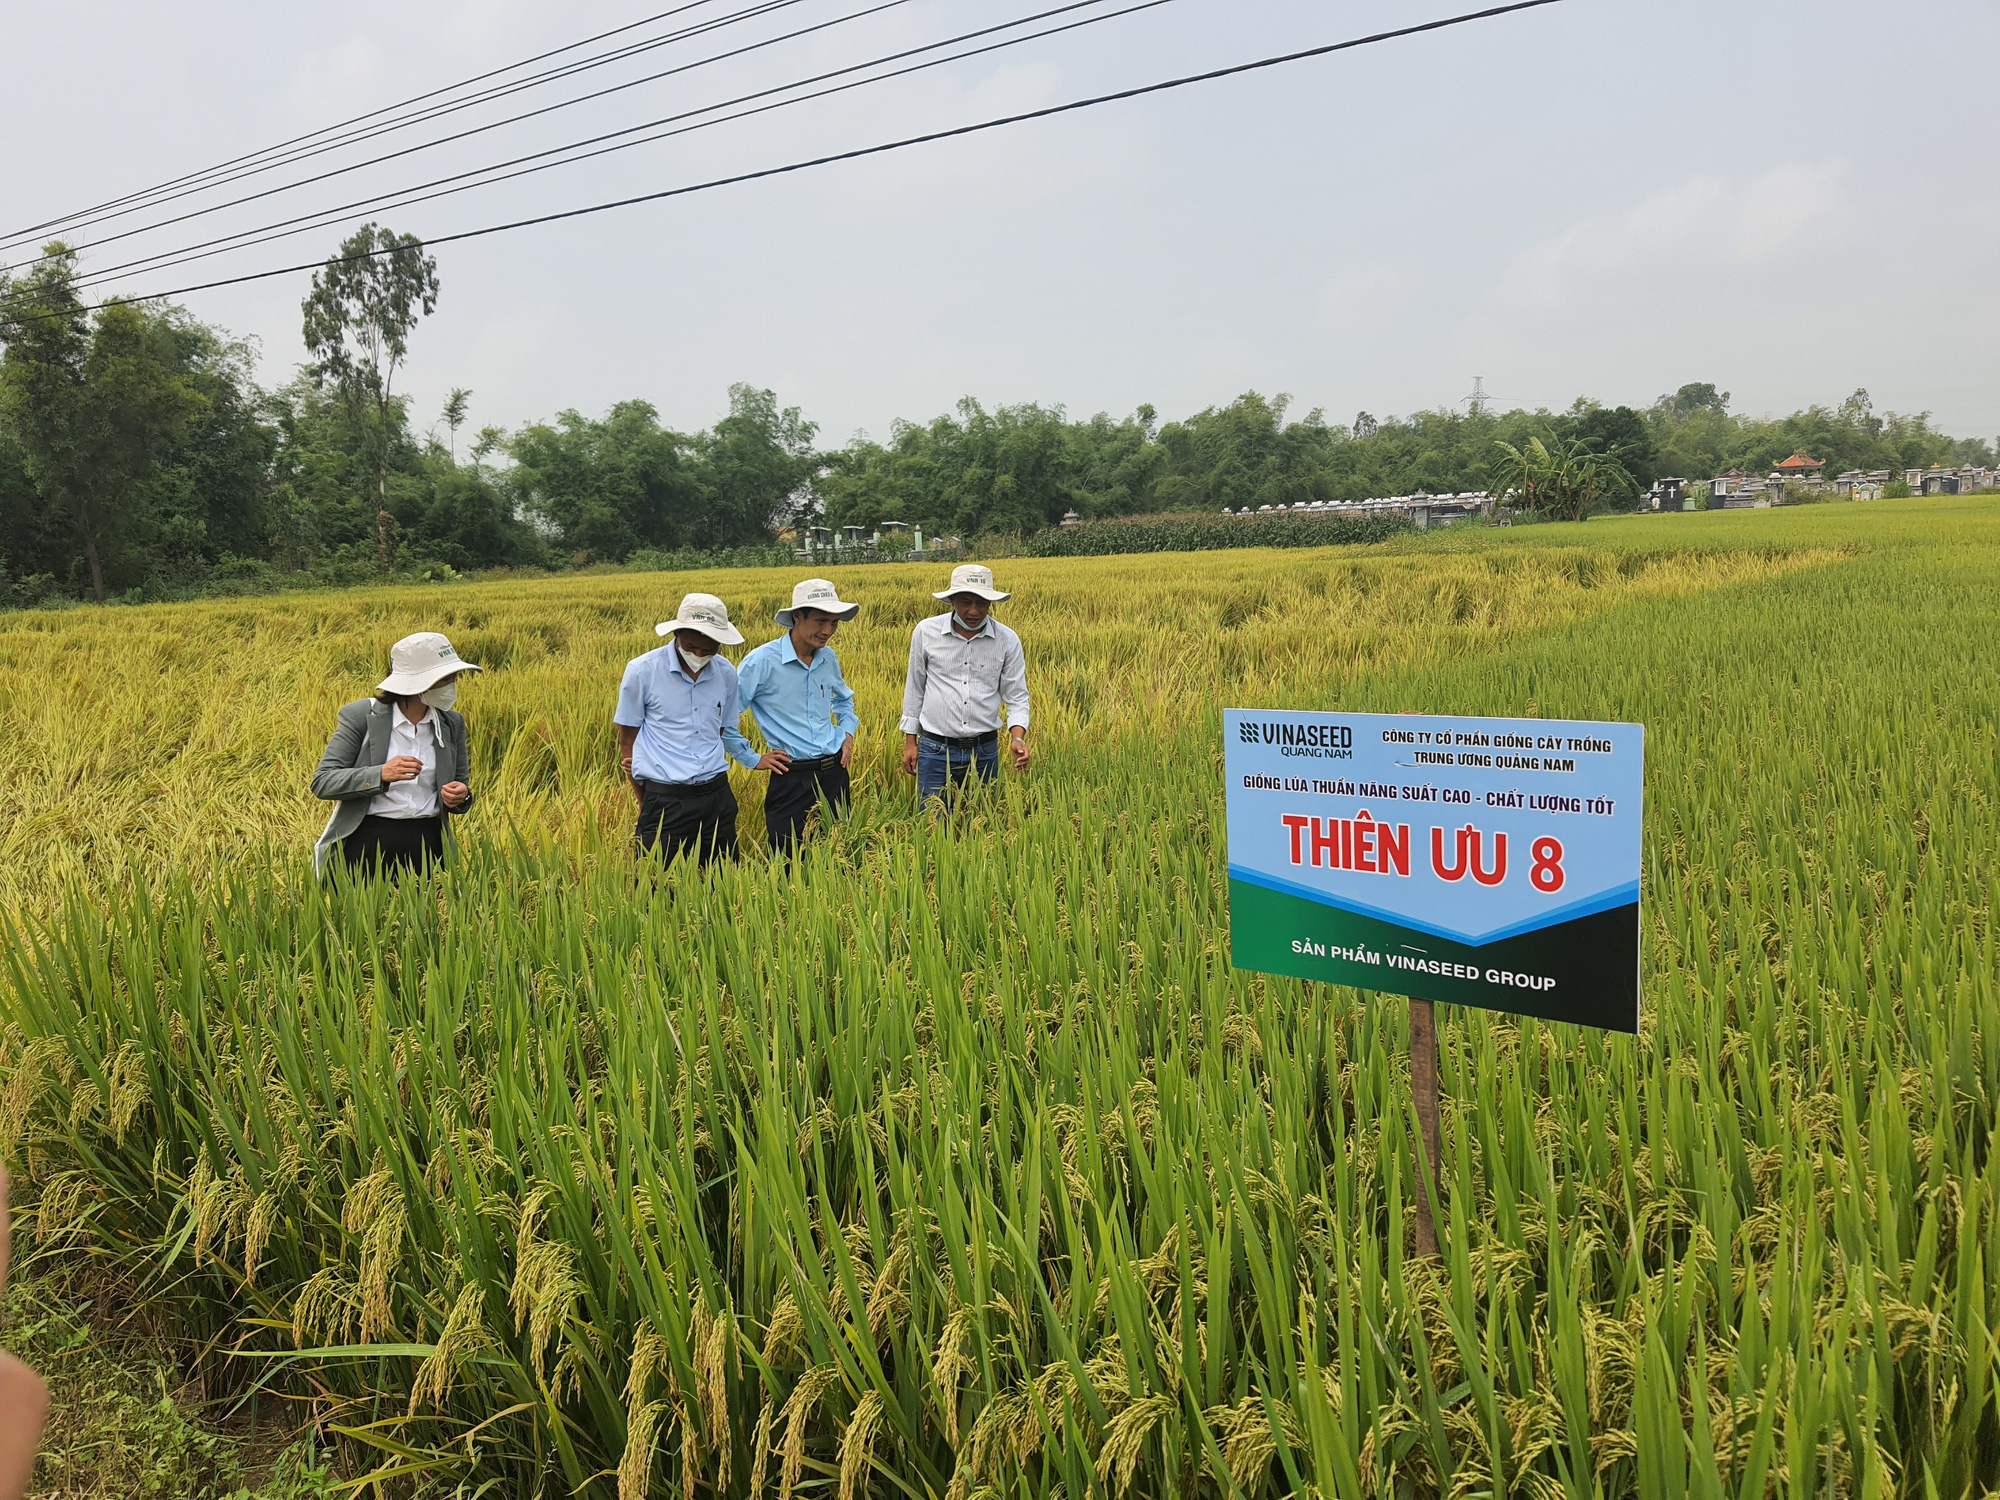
(1589,906)
(1470,829)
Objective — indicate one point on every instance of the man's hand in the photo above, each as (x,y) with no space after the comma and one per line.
(847,752)
(909,755)
(628,737)
(774,761)
(400,768)
(1020,748)
(455,794)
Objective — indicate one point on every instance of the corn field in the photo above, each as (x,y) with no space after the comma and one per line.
(955,1162)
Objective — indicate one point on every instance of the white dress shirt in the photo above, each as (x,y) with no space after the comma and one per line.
(417,797)
(957,686)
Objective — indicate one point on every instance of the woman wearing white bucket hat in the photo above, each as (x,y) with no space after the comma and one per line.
(397,766)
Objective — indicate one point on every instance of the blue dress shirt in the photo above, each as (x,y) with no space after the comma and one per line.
(805,709)
(684,722)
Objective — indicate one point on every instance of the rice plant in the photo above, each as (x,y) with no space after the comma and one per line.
(956,1161)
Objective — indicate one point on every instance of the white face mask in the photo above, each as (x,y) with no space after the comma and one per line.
(694,663)
(964,624)
(442,696)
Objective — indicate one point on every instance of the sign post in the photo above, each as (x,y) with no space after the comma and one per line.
(1484,862)
(1424,1091)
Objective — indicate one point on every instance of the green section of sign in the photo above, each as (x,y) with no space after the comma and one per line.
(1585,970)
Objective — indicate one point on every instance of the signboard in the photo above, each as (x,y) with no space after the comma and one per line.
(1487,862)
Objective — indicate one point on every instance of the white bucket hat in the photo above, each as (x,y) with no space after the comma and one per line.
(817,593)
(971,578)
(705,614)
(418,663)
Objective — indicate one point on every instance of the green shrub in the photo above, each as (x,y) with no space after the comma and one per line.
(651,560)
(125,1423)
(1206,533)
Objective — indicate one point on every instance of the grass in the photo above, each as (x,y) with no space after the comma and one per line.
(125,1422)
(959,1162)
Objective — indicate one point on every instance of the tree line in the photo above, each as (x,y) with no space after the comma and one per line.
(139,456)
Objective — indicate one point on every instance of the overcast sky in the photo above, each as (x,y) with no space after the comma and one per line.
(1789,198)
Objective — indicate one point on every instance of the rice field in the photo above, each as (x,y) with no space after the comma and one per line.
(957,1162)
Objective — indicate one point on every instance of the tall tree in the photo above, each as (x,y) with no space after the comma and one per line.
(138,407)
(753,468)
(41,387)
(1698,395)
(607,488)
(364,302)
(95,409)
(456,405)
(1621,433)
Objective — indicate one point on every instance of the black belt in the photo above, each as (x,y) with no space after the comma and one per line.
(963,741)
(682,786)
(813,763)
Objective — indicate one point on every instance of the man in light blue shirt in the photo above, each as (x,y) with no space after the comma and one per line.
(794,689)
(677,713)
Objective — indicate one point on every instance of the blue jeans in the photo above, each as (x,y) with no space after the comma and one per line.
(939,766)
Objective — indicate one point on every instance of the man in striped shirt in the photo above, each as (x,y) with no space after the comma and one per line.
(966,670)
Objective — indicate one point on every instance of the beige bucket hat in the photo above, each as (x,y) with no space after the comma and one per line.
(971,578)
(817,593)
(704,613)
(418,663)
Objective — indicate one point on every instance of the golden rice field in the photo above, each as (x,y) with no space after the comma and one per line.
(957,1163)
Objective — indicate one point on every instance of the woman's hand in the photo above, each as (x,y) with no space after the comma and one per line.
(455,794)
(400,768)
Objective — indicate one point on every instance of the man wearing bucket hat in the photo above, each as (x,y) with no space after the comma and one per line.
(965,667)
(677,713)
(794,689)
(397,764)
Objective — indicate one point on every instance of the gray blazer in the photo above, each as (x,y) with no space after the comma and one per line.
(351,770)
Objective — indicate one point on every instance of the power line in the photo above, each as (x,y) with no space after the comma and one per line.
(420,117)
(374,161)
(857,154)
(497,172)
(356,120)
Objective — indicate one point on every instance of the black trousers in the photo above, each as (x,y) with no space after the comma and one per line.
(386,845)
(676,819)
(789,799)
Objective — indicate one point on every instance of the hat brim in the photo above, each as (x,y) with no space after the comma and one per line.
(991,596)
(843,612)
(727,635)
(408,684)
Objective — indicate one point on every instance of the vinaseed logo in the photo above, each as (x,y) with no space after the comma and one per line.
(1318,741)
